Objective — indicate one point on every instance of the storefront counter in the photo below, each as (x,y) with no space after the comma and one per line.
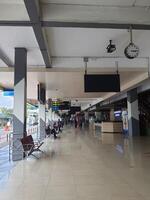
(111,127)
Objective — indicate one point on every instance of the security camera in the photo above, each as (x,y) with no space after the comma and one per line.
(111,47)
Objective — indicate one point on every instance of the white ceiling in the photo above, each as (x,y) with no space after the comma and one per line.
(13,10)
(68,85)
(93,42)
(72,42)
(99,14)
(64,84)
(11,2)
(2,63)
(12,37)
(109,64)
(68,46)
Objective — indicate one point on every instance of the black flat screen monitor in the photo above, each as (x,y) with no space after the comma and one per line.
(65,105)
(74,109)
(102,83)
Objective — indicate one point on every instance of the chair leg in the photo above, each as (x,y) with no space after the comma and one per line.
(34,156)
(41,151)
(30,152)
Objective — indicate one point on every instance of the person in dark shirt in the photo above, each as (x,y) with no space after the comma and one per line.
(75,122)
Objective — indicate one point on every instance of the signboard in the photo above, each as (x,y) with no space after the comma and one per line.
(65,105)
(8,93)
(55,105)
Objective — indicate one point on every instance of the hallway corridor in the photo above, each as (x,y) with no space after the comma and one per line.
(80,166)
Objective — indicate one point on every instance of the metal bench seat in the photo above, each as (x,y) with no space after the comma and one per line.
(29,146)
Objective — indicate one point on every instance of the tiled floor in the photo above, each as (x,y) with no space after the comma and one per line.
(81,166)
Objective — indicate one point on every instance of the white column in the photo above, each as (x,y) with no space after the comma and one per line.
(42,120)
(20,99)
(133,113)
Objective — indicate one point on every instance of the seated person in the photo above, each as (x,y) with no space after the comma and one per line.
(50,131)
(55,126)
(59,125)
(53,131)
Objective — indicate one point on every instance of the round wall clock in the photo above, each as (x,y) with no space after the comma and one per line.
(131,51)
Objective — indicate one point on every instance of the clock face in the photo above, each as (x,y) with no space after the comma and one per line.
(131,51)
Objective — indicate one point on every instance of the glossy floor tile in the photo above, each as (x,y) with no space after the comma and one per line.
(85,166)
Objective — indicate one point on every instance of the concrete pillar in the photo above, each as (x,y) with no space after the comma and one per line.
(112,116)
(86,115)
(98,116)
(20,98)
(133,113)
(42,121)
(49,111)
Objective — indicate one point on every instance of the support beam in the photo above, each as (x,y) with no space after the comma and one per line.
(34,15)
(20,99)
(68,24)
(15,23)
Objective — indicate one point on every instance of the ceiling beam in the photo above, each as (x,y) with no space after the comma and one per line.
(34,15)
(66,24)
(5,59)
(94,25)
(15,23)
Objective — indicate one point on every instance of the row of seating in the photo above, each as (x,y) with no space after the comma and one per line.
(55,130)
(30,146)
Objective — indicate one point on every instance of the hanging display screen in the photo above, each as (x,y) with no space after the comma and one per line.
(65,105)
(74,109)
(102,83)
